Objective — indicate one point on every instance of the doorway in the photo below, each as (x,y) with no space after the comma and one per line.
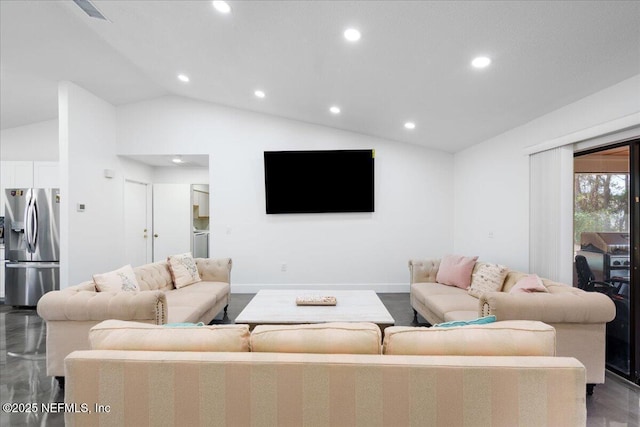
(606,227)
(169,209)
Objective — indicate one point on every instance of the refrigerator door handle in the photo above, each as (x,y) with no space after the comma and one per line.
(31,223)
(32,265)
(34,221)
(27,221)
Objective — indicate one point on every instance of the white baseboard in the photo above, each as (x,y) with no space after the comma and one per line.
(252,288)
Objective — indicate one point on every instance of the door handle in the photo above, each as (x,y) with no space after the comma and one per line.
(31,222)
(32,265)
(34,225)
(27,221)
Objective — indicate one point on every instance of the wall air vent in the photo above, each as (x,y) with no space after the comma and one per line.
(90,9)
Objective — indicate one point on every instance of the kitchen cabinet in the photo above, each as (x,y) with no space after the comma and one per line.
(46,174)
(201,201)
(18,174)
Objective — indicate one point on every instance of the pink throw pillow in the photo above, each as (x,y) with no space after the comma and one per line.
(455,270)
(528,284)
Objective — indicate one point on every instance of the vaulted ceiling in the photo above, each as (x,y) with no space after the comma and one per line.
(411,64)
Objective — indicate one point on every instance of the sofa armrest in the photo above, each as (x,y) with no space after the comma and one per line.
(423,270)
(95,306)
(565,307)
(214,270)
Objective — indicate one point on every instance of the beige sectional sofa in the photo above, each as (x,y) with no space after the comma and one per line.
(70,313)
(579,317)
(324,375)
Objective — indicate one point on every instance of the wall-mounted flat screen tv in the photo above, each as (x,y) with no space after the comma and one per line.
(319,181)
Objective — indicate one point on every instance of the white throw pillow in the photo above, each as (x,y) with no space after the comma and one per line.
(183,269)
(487,278)
(122,279)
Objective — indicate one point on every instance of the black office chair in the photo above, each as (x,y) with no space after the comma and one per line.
(587,281)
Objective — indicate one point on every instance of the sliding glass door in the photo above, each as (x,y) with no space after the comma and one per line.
(635,262)
(606,226)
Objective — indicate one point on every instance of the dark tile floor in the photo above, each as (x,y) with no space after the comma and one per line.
(23,377)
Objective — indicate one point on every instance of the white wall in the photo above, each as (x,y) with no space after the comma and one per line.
(492,178)
(180,175)
(417,201)
(91,241)
(135,171)
(37,141)
(413,196)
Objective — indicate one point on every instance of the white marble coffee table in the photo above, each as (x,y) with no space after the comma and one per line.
(278,307)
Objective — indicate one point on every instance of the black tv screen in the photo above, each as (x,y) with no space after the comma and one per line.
(319,181)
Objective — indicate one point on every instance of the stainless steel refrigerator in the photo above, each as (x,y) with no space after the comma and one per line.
(32,244)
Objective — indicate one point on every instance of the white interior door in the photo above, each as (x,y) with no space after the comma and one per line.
(171,220)
(136,223)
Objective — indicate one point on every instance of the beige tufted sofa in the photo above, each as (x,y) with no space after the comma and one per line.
(70,313)
(579,317)
(334,374)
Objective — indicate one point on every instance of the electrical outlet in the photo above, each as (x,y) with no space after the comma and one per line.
(283,266)
(491,234)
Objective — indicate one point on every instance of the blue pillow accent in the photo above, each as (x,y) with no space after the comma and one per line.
(478,321)
(182,325)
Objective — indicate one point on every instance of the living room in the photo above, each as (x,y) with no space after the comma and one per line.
(437,191)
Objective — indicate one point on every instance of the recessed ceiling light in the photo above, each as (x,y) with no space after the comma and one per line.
(481,62)
(259,94)
(335,110)
(222,6)
(410,125)
(352,34)
(183,78)
(177,159)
